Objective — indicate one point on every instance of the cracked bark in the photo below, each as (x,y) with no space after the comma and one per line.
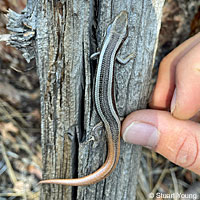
(62,35)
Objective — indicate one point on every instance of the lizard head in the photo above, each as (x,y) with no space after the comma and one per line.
(120,25)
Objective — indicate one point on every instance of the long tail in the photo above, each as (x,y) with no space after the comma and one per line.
(95,177)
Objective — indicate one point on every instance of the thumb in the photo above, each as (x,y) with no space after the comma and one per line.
(177,140)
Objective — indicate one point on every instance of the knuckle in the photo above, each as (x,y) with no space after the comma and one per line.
(188,150)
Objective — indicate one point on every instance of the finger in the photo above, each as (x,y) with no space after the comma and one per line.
(186,102)
(175,139)
(165,85)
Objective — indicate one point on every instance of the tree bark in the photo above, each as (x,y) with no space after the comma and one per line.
(62,36)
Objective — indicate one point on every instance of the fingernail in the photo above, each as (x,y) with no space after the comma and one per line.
(141,134)
(173,102)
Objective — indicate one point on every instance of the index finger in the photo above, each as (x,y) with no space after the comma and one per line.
(165,85)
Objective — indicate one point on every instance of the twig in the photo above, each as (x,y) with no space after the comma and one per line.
(162,176)
(11,172)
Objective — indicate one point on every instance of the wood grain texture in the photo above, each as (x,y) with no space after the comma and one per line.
(67,33)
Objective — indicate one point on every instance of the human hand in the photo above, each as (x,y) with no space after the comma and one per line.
(174,135)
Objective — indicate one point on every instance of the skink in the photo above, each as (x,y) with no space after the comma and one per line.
(105,102)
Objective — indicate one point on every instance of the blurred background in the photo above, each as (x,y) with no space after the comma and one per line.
(20,148)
